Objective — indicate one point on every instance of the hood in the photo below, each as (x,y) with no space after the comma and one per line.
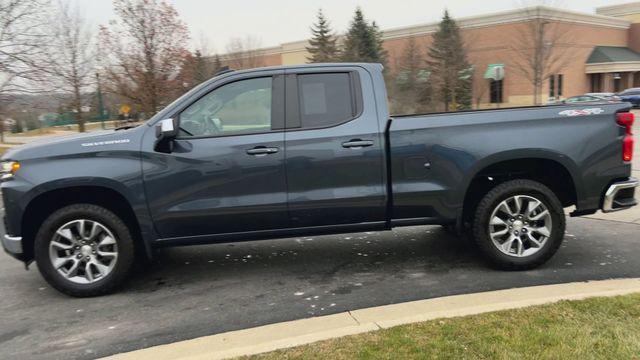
(52,146)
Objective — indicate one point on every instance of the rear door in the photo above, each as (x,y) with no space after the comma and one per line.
(334,148)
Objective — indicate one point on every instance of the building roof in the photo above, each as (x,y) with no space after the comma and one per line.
(513,16)
(611,54)
(477,21)
(630,8)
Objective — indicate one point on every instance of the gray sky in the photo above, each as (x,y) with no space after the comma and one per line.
(278,21)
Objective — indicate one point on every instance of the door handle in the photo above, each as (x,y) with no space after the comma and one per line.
(357,144)
(261,151)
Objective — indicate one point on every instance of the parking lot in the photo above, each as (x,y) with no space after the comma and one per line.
(195,291)
(202,290)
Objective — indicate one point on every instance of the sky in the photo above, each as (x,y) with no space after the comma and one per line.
(213,22)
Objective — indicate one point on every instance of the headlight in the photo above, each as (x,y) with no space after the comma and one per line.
(8,168)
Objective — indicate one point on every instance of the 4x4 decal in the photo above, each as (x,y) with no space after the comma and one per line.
(582,112)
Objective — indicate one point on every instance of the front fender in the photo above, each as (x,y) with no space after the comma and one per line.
(118,171)
(85,181)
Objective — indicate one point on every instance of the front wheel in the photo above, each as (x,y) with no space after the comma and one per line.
(519,225)
(84,250)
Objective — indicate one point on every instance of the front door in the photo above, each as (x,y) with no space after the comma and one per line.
(226,172)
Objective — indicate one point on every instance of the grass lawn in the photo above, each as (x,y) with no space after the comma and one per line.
(599,328)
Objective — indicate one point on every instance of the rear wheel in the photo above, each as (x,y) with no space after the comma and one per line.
(84,250)
(519,225)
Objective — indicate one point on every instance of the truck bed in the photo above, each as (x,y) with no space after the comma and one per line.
(456,147)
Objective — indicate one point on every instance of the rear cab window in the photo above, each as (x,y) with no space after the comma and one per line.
(323,99)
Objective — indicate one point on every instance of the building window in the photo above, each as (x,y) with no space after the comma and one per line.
(617,82)
(496,89)
(556,82)
(596,83)
(636,79)
(560,85)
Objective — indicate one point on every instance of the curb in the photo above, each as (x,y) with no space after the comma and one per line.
(300,332)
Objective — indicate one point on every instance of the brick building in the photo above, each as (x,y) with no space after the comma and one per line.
(599,52)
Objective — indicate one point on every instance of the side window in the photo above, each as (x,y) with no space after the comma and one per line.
(325,99)
(241,107)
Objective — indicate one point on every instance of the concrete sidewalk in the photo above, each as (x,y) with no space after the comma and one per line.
(299,332)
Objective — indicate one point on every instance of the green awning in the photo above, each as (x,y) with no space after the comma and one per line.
(612,54)
(494,72)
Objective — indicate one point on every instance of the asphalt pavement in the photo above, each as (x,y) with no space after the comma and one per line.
(202,290)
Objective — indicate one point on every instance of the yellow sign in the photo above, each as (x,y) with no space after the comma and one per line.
(125,109)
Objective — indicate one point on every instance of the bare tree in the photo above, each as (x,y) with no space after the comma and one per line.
(540,49)
(144,51)
(411,91)
(244,53)
(207,62)
(480,87)
(69,63)
(21,39)
(204,45)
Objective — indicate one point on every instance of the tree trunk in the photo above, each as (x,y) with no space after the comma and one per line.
(78,106)
(1,127)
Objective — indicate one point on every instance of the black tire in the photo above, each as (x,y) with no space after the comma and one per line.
(502,192)
(123,238)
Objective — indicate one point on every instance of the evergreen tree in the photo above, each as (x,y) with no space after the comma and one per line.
(449,66)
(323,43)
(200,68)
(217,64)
(380,54)
(363,42)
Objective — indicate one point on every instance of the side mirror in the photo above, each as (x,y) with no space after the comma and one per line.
(166,131)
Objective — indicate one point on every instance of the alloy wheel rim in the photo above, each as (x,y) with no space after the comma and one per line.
(83,251)
(520,226)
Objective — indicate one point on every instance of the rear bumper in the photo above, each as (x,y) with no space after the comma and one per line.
(620,195)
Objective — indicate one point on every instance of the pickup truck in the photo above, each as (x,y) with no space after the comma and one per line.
(306,150)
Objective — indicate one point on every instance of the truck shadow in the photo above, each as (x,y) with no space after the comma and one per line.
(317,260)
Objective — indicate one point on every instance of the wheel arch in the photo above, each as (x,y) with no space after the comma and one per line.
(43,200)
(552,169)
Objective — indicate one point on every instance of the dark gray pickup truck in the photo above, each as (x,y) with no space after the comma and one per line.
(301,150)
